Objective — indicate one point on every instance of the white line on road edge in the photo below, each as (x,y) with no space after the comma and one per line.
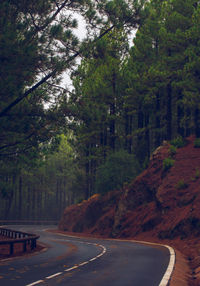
(168,273)
(170,268)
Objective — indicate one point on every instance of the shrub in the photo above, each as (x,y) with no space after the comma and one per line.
(197,143)
(197,175)
(181,185)
(172,150)
(178,142)
(168,163)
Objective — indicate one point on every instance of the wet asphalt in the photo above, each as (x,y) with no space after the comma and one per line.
(73,261)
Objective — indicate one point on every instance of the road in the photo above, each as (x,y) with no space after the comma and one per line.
(73,261)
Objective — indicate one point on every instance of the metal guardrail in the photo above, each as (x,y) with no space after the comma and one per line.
(18,237)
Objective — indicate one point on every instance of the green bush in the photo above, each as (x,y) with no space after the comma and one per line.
(168,163)
(197,143)
(119,168)
(178,142)
(197,175)
(172,150)
(181,185)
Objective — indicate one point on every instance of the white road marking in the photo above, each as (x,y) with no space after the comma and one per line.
(168,273)
(69,269)
(35,283)
(83,263)
(92,259)
(54,275)
(170,268)
(75,266)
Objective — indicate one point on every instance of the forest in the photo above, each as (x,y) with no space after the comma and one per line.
(135,82)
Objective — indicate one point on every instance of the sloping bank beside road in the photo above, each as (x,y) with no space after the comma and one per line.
(161,205)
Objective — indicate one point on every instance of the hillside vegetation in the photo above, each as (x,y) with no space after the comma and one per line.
(160,205)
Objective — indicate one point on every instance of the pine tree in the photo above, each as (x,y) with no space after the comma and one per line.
(97,103)
(191,72)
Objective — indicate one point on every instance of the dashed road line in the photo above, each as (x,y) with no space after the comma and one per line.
(69,269)
(92,259)
(75,266)
(54,275)
(35,283)
(83,263)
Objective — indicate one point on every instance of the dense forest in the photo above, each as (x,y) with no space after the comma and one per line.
(136,82)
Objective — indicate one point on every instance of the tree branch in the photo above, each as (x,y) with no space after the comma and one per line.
(50,20)
(16,142)
(44,79)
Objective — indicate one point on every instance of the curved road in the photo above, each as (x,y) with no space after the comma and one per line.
(73,261)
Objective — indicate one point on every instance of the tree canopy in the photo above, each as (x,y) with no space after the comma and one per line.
(126,97)
(37,45)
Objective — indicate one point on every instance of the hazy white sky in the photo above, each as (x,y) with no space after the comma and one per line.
(80,32)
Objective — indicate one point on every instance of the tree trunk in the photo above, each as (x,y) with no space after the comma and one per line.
(157,122)
(187,124)
(147,135)
(169,112)
(180,115)
(28,202)
(197,122)
(128,132)
(112,113)
(20,198)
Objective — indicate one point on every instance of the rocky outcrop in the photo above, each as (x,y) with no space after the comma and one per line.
(95,215)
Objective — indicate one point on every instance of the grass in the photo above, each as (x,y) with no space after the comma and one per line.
(196,175)
(181,185)
(178,142)
(197,143)
(172,150)
(168,163)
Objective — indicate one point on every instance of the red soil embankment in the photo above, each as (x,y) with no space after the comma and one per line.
(159,205)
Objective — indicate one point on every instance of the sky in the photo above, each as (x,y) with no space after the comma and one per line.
(80,32)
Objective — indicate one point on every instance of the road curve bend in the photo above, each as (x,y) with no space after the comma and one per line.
(75,261)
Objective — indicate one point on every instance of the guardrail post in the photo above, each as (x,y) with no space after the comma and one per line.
(11,248)
(24,248)
(33,244)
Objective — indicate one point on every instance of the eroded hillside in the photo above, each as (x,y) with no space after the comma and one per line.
(162,205)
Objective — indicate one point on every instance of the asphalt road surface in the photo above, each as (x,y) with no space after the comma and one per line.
(73,261)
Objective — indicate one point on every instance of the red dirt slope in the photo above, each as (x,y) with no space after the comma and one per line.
(160,206)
